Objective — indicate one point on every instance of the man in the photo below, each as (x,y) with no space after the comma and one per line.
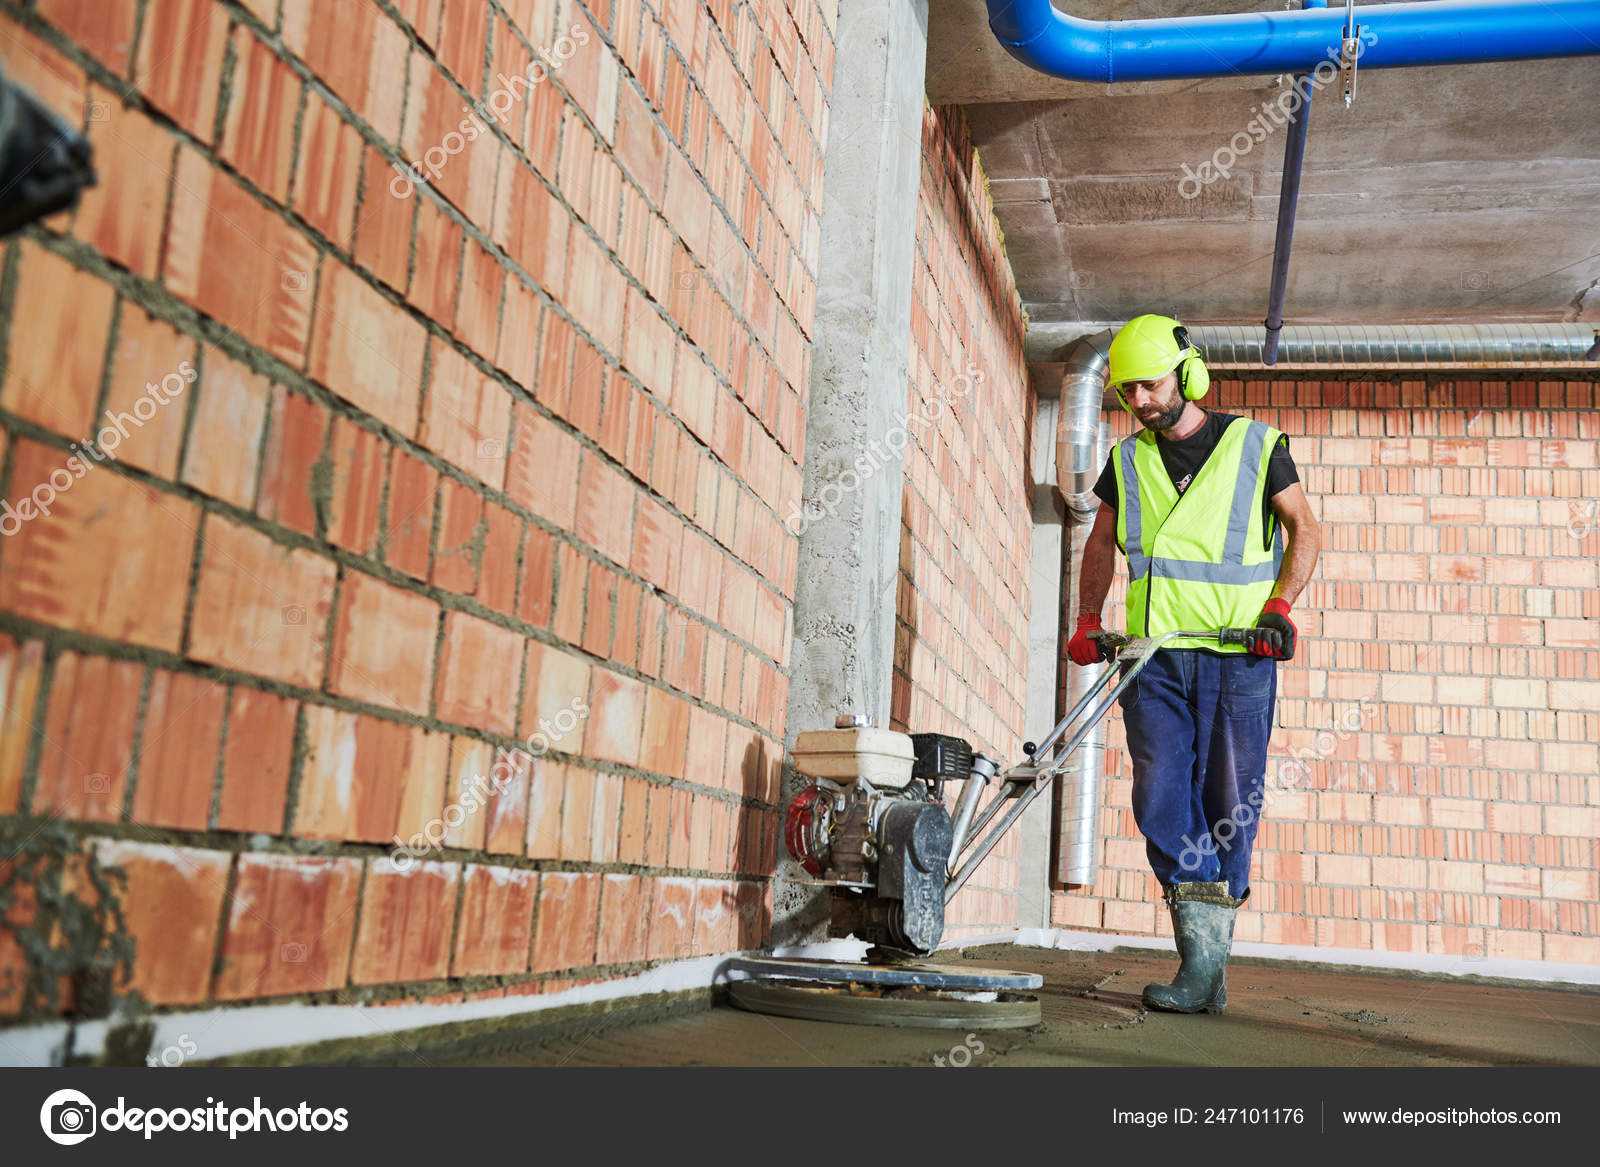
(1197,502)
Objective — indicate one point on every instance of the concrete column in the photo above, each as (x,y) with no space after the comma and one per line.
(849,553)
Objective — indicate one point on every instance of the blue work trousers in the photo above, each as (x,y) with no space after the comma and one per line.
(1197,726)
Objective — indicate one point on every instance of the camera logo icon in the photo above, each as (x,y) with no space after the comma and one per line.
(68,1117)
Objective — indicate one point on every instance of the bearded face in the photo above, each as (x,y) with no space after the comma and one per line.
(1157,404)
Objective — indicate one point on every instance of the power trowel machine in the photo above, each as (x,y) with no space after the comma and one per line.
(873,830)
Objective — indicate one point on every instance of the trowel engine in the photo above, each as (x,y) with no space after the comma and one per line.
(872,827)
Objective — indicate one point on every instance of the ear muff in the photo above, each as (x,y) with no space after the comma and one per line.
(1193,376)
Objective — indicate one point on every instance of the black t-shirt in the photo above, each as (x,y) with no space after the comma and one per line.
(1184,457)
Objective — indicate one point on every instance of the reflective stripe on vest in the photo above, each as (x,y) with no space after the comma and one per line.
(1228,586)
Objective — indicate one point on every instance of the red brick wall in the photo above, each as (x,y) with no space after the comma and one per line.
(961,644)
(1433,774)
(436,465)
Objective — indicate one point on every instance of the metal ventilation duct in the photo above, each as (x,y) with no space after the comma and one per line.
(1447,346)
(1359,346)
(1082,442)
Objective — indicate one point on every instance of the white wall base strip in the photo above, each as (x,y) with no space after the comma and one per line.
(220,1033)
(1547,971)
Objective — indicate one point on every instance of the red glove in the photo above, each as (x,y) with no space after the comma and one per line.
(1275,632)
(1080,648)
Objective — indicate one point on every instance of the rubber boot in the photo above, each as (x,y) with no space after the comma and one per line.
(1202,923)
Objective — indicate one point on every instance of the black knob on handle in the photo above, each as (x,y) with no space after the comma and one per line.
(1030,748)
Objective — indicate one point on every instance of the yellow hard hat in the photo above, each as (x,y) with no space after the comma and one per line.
(1148,348)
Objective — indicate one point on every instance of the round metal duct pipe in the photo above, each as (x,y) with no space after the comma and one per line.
(1082,442)
(1372,346)
(1357,346)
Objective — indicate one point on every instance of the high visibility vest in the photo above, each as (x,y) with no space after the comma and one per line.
(1200,560)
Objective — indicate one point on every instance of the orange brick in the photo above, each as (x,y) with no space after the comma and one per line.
(517,350)
(437,267)
(367,350)
(258,131)
(352,779)
(616,719)
(57,347)
(425,777)
(239,263)
(492,937)
(409,524)
(229,417)
(605,509)
(88,738)
(290,926)
(103,28)
(383,646)
(296,443)
(358,52)
(1580,821)
(466,417)
(502,544)
(716,917)
(543,468)
(173,907)
(433,114)
(178,751)
(467,793)
(538,577)
(356,488)
(479,667)
(565,933)
(666,733)
(576,840)
(632,836)
(260,607)
(556,697)
(329,166)
(672,919)
(111,558)
(256,759)
(133,159)
(457,555)
(477,321)
(180,60)
(21,666)
(383,229)
(547,784)
(594,292)
(148,398)
(462,34)
(624,920)
(507,824)
(32,62)
(407,912)
(533,228)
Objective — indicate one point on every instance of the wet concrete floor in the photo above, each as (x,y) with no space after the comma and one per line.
(1278,1014)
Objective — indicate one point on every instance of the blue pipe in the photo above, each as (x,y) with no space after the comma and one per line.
(1441,32)
(1294,156)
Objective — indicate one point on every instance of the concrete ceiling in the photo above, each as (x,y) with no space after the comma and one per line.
(1467,193)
